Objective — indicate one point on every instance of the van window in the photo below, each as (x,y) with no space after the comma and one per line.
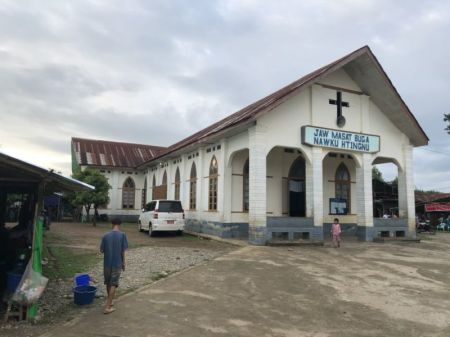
(150,206)
(170,206)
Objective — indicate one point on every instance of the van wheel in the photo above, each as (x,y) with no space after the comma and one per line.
(150,231)
(140,227)
(179,232)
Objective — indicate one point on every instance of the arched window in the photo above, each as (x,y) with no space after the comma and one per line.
(164,186)
(297,188)
(144,194)
(342,184)
(177,184)
(193,187)
(246,187)
(153,187)
(128,192)
(213,175)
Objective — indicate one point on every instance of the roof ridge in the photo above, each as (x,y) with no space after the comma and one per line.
(115,142)
(296,84)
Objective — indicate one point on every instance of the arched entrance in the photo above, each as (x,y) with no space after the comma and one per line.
(296,188)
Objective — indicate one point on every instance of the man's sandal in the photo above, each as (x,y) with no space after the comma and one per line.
(108,310)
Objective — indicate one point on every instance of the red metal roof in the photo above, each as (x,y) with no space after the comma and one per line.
(112,154)
(424,197)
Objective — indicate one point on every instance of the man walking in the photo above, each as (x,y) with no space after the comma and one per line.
(113,246)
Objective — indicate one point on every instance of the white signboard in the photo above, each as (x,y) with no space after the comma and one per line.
(338,139)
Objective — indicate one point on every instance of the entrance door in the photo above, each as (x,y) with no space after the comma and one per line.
(297,194)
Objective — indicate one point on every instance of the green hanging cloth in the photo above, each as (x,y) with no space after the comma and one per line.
(36,258)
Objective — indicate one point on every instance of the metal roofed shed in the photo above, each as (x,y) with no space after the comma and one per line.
(25,185)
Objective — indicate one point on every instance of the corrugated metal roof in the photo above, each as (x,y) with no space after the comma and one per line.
(424,197)
(128,155)
(112,154)
(268,103)
(17,171)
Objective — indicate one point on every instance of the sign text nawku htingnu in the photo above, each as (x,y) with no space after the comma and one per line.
(339,139)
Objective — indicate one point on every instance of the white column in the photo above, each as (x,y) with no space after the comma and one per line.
(257,186)
(224,197)
(364,199)
(309,190)
(149,177)
(406,198)
(116,200)
(200,182)
(317,185)
(184,185)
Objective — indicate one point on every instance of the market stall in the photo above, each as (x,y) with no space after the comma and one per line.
(23,187)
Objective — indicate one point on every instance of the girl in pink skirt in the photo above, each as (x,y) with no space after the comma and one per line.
(336,232)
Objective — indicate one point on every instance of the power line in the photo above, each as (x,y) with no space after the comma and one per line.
(435,188)
(436,151)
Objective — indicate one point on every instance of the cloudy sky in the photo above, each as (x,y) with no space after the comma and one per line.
(156,71)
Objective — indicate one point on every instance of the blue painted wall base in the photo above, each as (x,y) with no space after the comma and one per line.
(222,230)
(257,235)
(293,229)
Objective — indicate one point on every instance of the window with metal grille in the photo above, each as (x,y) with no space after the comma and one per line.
(213,176)
(245,193)
(177,184)
(153,187)
(144,194)
(163,194)
(193,187)
(128,193)
(343,184)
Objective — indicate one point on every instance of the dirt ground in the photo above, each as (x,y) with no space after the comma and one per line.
(361,289)
(85,236)
(70,248)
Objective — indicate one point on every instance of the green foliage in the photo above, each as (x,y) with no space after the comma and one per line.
(447,119)
(376,174)
(95,198)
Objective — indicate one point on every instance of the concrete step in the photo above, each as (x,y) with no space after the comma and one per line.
(287,243)
(383,240)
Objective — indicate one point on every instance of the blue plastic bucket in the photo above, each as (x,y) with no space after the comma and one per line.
(84,294)
(82,280)
(12,281)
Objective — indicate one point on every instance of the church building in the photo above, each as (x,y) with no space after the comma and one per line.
(283,167)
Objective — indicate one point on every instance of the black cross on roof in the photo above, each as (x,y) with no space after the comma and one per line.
(339,104)
(338,101)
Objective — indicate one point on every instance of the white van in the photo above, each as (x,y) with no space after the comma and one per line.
(162,215)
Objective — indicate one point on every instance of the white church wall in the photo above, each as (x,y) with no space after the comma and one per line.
(116,177)
(392,140)
(326,114)
(340,79)
(284,122)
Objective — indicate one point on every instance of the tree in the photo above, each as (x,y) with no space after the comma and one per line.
(447,119)
(376,174)
(93,198)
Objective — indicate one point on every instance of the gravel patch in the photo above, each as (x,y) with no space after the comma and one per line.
(146,264)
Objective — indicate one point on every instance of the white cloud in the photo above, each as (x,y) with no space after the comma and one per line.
(114,70)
